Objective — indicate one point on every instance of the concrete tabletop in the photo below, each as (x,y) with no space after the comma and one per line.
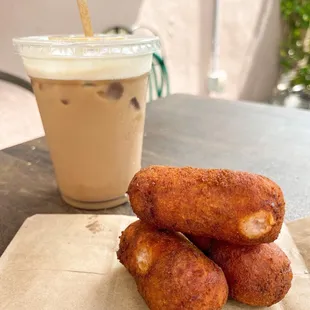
(181,130)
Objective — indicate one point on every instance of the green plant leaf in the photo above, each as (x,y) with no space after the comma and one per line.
(294,51)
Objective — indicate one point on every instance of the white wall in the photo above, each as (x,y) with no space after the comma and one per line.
(185,31)
(249,36)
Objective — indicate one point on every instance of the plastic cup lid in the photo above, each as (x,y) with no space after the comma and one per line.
(79,46)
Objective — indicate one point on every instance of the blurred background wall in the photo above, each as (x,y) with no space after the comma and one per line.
(249,37)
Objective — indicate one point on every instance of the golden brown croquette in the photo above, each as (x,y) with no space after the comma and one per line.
(170,272)
(257,275)
(238,207)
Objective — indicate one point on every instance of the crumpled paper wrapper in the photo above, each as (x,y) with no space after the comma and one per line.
(69,262)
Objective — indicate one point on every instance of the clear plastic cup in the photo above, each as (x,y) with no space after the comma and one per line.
(91,94)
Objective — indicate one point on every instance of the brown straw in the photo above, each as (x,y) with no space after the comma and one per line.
(85,18)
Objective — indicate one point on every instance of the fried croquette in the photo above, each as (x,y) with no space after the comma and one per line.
(257,275)
(238,207)
(170,272)
(202,243)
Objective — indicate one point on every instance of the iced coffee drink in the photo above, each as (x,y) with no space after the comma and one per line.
(91,96)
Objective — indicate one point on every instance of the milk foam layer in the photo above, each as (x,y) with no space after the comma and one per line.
(88,69)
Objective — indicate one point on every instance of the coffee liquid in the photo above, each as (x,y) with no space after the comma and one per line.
(94,131)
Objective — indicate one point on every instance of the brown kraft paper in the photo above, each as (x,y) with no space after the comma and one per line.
(69,262)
